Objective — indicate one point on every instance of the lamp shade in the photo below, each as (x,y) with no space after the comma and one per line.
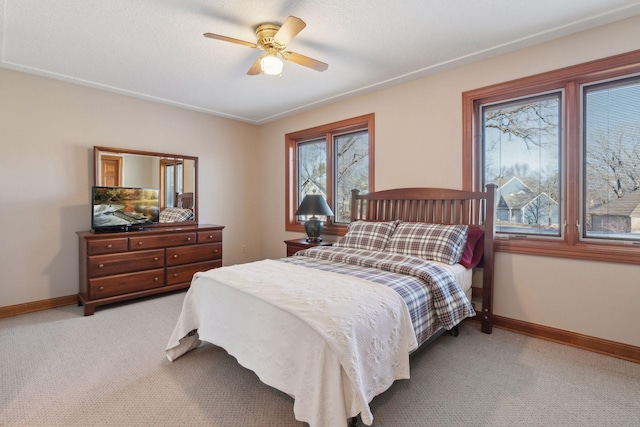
(314,204)
(271,65)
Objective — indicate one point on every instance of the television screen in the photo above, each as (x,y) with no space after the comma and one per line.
(119,208)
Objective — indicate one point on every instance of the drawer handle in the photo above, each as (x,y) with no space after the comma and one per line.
(175,256)
(109,246)
(155,259)
(139,243)
(100,265)
(175,274)
(210,236)
(101,288)
(155,279)
(215,252)
(188,239)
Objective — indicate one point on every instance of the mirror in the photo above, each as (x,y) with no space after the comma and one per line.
(174,174)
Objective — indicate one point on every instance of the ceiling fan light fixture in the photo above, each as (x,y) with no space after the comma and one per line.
(273,39)
(271,65)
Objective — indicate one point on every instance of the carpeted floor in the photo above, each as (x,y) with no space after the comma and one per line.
(59,368)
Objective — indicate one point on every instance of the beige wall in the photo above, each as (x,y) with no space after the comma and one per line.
(47,131)
(418,143)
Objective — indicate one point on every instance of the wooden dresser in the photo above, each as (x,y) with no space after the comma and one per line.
(120,266)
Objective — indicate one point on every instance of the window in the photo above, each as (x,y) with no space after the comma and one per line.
(521,151)
(563,148)
(330,160)
(611,138)
(171,178)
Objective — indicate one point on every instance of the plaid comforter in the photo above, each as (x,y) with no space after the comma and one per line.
(430,291)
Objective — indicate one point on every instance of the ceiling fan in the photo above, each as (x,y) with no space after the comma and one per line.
(273,40)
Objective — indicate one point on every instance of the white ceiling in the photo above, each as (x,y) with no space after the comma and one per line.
(154,49)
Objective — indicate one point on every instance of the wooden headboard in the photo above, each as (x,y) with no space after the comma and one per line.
(185,200)
(442,206)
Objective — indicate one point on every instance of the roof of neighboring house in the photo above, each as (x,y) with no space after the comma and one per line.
(519,194)
(511,184)
(314,184)
(627,205)
(518,200)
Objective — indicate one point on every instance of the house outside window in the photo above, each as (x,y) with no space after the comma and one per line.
(330,160)
(563,148)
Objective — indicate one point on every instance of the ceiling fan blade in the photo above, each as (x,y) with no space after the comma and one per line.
(291,27)
(256,68)
(230,39)
(305,61)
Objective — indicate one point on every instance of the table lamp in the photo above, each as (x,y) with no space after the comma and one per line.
(314,204)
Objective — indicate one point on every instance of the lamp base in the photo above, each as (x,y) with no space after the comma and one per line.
(313,227)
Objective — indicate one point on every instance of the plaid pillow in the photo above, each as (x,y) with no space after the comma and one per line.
(372,236)
(436,242)
(176,215)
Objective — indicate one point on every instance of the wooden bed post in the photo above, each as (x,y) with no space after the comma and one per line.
(354,204)
(486,317)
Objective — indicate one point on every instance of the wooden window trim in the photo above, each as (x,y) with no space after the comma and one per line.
(568,79)
(291,177)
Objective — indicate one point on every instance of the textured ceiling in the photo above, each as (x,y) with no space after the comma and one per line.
(155,49)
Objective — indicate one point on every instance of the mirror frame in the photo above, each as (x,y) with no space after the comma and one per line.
(98,150)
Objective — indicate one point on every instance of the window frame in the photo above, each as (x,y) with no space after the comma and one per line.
(570,80)
(326,132)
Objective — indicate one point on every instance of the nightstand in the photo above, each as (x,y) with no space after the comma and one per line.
(296,245)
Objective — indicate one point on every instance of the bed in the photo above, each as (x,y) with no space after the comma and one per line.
(334,326)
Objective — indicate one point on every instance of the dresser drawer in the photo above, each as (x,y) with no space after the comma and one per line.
(184,273)
(121,266)
(125,262)
(161,241)
(212,236)
(197,253)
(125,283)
(106,246)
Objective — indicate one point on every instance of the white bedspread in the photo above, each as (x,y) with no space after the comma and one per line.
(330,341)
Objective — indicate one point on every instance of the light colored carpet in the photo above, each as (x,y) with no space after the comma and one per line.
(59,368)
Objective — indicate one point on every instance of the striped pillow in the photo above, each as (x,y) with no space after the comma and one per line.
(436,242)
(372,236)
(176,215)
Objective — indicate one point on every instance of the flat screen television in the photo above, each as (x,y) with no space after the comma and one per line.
(124,209)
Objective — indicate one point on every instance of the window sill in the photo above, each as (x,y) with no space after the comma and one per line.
(624,254)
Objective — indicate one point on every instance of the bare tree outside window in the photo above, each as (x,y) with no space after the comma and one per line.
(521,152)
(612,167)
(312,167)
(352,171)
